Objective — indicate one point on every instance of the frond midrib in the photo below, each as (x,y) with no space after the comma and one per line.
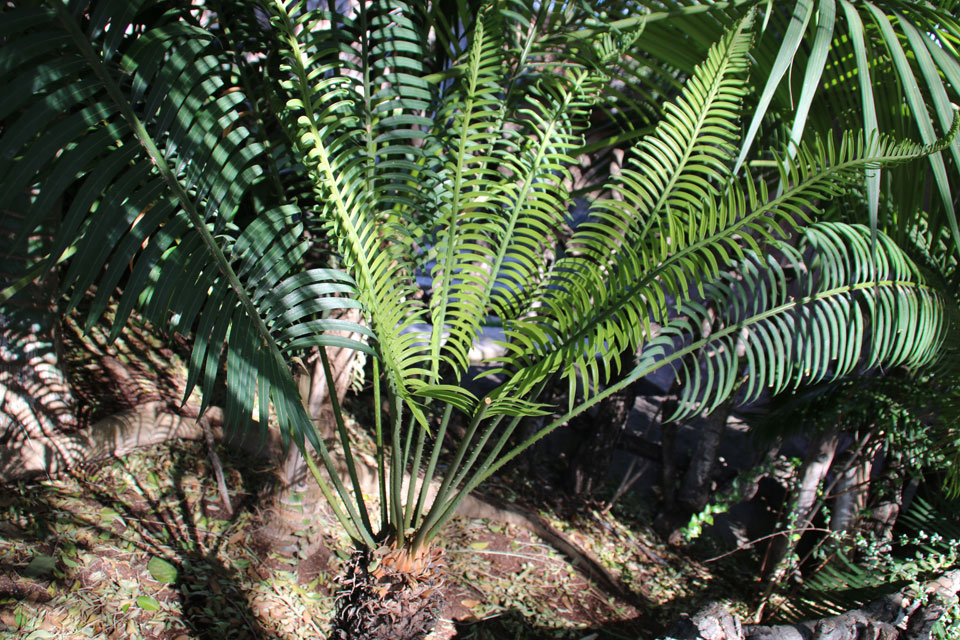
(720,80)
(168,175)
(371,290)
(450,262)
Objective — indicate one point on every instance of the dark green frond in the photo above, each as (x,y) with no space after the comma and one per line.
(140,132)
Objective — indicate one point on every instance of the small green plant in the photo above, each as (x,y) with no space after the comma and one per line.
(736,493)
(925,548)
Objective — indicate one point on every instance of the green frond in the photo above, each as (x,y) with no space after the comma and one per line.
(674,173)
(593,315)
(354,138)
(466,184)
(142,135)
(671,174)
(506,238)
(830,308)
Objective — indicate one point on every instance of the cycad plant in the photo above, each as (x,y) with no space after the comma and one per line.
(190,158)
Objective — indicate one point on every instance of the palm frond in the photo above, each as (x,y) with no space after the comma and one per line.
(355,138)
(674,173)
(594,314)
(670,174)
(507,236)
(469,184)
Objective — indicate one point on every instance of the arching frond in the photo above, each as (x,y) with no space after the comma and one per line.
(599,304)
(671,174)
(674,173)
(830,308)
(137,129)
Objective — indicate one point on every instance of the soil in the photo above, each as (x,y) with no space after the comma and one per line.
(142,547)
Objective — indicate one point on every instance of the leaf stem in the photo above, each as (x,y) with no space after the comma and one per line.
(345,440)
(381,459)
(432,465)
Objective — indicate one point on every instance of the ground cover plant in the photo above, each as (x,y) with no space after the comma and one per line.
(192,162)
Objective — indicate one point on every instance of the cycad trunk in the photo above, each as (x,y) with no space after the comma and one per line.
(852,490)
(387,594)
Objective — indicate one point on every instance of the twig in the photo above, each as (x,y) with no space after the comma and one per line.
(629,478)
(628,538)
(751,543)
(522,556)
(215,460)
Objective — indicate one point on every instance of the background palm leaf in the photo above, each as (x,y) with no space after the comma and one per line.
(820,63)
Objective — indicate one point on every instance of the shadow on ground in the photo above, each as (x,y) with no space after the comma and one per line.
(129,554)
(512,625)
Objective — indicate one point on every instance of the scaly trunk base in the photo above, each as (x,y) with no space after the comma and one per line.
(386,595)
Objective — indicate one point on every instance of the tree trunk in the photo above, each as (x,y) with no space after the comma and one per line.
(599,435)
(883,516)
(697,488)
(850,491)
(801,512)
(389,594)
(286,512)
(671,516)
(668,449)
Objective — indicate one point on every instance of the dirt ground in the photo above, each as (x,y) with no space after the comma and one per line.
(142,547)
